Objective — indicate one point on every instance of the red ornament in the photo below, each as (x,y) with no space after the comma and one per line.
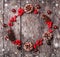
(5,25)
(34,46)
(49,12)
(17,42)
(40,42)
(10,24)
(13,19)
(20,12)
(35,11)
(6,38)
(49,23)
(55,27)
(50,30)
(13,10)
(37,42)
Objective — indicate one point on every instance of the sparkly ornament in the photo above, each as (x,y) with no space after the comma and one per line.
(3,49)
(15,52)
(28,46)
(56,45)
(47,36)
(28,8)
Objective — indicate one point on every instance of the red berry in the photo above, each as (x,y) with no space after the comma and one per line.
(10,24)
(20,12)
(13,19)
(35,11)
(34,46)
(17,42)
(49,12)
(5,25)
(55,27)
(49,23)
(37,42)
(40,42)
(50,30)
(13,10)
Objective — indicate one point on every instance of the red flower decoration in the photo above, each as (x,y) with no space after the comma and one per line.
(35,11)
(49,23)
(20,12)
(17,42)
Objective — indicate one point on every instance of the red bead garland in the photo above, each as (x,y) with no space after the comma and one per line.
(47,21)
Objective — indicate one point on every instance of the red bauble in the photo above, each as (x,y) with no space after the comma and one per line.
(35,11)
(49,23)
(20,12)
(34,46)
(55,27)
(50,30)
(17,42)
(13,19)
(5,25)
(49,12)
(13,10)
(10,24)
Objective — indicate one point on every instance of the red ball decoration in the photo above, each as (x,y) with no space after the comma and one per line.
(34,46)
(5,25)
(13,19)
(55,27)
(10,24)
(17,42)
(37,42)
(49,23)
(20,12)
(40,42)
(49,12)
(35,11)
(13,10)
(50,30)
